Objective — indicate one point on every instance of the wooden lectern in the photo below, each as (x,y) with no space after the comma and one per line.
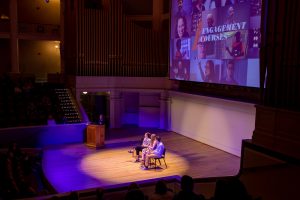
(95,135)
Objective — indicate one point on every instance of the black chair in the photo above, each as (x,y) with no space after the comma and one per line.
(163,156)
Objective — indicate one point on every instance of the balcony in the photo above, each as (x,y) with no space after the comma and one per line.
(39,31)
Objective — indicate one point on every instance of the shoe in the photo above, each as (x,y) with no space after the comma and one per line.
(144,167)
(130,151)
(137,160)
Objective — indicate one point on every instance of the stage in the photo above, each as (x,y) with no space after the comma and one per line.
(78,167)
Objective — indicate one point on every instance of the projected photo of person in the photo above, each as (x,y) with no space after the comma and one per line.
(235,72)
(237,50)
(210,45)
(181,28)
(208,74)
(180,70)
(209,36)
(255,6)
(198,8)
(201,53)
(230,15)
(236,13)
(210,20)
(182,49)
(180,9)
(229,74)
(178,54)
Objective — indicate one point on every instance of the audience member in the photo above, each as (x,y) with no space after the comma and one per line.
(99,194)
(161,192)
(187,187)
(73,196)
(18,170)
(134,193)
(232,189)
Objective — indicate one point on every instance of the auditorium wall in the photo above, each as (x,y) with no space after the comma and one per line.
(220,123)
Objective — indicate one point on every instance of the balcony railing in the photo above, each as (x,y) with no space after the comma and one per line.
(49,30)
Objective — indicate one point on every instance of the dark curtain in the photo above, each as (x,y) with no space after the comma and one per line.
(280,56)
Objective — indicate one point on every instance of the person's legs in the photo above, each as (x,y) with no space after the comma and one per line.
(145,152)
(147,159)
(138,149)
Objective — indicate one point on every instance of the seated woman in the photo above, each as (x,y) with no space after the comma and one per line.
(150,148)
(145,144)
(156,153)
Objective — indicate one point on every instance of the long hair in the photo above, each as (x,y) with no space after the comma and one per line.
(185,26)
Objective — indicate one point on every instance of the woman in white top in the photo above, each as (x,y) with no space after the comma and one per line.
(146,142)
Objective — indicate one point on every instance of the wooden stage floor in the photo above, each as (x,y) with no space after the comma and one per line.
(77,167)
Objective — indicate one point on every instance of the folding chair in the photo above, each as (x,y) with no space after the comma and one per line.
(158,158)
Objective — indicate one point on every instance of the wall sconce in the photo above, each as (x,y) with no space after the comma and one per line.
(56,44)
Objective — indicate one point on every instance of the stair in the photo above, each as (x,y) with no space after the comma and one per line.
(68,106)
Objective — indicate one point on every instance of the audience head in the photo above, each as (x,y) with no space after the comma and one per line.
(161,187)
(135,195)
(99,193)
(133,186)
(230,189)
(73,196)
(187,183)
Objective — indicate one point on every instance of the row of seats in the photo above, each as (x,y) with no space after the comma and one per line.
(22,173)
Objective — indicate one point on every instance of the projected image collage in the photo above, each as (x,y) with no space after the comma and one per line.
(215,41)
